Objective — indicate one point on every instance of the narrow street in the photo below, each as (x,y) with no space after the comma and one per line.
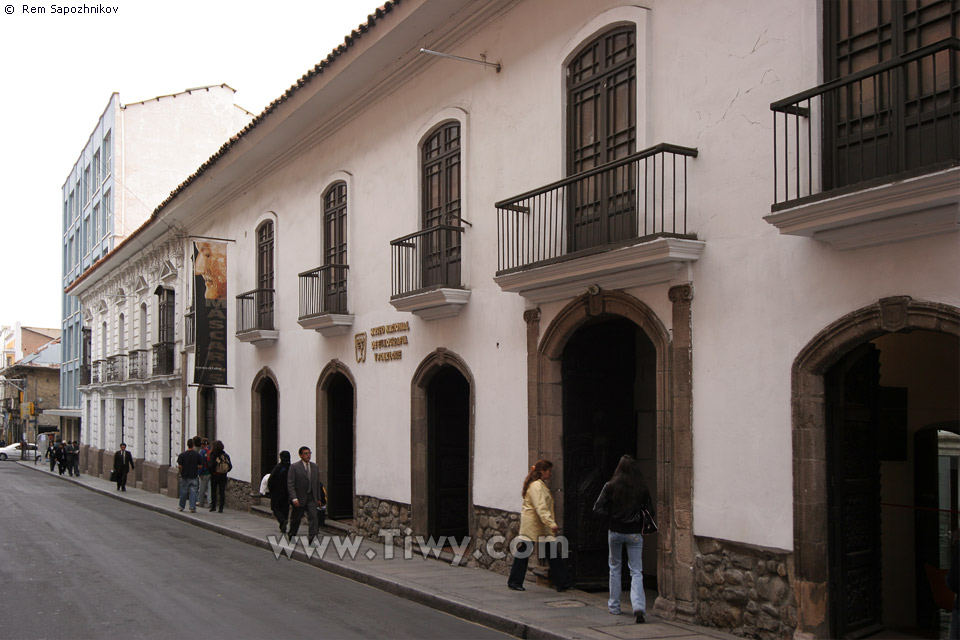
(80,565)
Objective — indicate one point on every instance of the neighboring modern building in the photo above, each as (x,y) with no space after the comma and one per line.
(719,236)
(136,154)
(31,393)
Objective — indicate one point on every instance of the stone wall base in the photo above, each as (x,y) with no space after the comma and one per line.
(494,531)
(745,589)
(106,463)
(173,483)
(93,462)
(154,476)
(238,494)
(374,514)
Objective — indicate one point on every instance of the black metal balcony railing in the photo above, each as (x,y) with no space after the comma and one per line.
(642,195)
(426,259)
(255,310)
(163,358)
(323,290)
(890,121)
(189,328)
(97,371)
(137,363)
(116,370)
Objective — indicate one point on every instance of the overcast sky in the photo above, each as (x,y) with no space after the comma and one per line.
(57,72)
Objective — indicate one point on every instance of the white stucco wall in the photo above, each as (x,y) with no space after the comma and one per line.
(709,72)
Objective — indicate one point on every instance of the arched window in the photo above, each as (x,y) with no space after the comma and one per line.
(264,295)
(440,167)
(602,128)
(121,334)
(335,248)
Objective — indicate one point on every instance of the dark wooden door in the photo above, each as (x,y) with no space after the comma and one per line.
(340,448)
(599,425)
(448,455)
(601,124)
(269,428)
(440,246)
(334,280)
(852,388)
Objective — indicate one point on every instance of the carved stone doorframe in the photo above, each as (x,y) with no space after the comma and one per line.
(810,495)
(256,430)
(419,490)
(674,410)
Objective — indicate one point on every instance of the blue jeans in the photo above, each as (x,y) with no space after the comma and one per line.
(634,544)
(189,486)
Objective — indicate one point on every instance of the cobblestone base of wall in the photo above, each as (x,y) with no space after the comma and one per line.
(238,495)
(745,589)
(491,526)
(374,514)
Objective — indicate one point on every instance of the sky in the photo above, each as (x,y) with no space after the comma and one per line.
(57,72)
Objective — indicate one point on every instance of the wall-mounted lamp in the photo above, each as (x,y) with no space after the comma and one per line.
(495,65)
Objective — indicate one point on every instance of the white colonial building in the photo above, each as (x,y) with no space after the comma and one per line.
(721,237)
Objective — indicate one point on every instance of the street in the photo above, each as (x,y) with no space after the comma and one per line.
(80,565)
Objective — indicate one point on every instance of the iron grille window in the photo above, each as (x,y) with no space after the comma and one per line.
(440,162)
(893,122)
(265,273)
(335,247)
(602,128)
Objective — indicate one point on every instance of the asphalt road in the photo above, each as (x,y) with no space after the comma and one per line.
(75,564)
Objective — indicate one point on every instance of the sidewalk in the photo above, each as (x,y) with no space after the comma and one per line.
(471,594)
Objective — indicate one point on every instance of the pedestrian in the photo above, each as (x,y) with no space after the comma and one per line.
(68,459)
(122,464)
(51,454)
(188,464)
(61,455)
(625,502)
(306,494)
(76,458)
(538,524)
(279,494)
(218,462)
(204,472)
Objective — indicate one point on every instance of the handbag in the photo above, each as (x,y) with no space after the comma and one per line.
(113,475)
(649,524)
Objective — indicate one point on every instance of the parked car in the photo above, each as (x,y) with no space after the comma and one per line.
(13,452)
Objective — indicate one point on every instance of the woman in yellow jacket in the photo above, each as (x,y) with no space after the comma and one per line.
(537,524)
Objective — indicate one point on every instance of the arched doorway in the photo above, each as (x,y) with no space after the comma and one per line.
(340,448)
(609,409)
(876,399)
(442,437)
(265,426)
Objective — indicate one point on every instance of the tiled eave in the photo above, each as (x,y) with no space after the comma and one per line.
(636,265)
(904,210)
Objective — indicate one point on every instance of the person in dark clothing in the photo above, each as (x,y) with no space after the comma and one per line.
(52,454)
(279,495)
(122,464)
(76,458)
(306,494)
(188,464)
(61,455)
(218,462)
(623,502)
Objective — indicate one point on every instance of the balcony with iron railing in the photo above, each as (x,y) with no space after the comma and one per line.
(97,372)
(164,359)
(85,374)
(138,364)
(116,368)
(323,300)
(622,224)
(255,317)
(425,272)
(873,157)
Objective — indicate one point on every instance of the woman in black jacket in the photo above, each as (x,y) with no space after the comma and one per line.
(623,501)
(279,495)
(218,462)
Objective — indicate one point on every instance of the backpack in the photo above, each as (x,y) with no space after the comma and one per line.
(223,464)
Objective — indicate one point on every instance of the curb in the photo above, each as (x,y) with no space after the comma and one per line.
(497,622)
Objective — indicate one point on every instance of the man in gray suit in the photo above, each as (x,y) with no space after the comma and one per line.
(306,493)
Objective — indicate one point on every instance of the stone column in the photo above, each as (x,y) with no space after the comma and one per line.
(532,318)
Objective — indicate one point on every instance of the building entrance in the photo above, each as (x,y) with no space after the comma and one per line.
(340,448)
(609,409)
(269,428)
(892,492)
(448,453)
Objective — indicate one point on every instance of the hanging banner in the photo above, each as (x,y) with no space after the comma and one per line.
(210,312)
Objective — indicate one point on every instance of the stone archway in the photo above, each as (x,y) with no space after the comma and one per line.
(810,500)
(420,437)
(264,378)
(676,554)
(332,373)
